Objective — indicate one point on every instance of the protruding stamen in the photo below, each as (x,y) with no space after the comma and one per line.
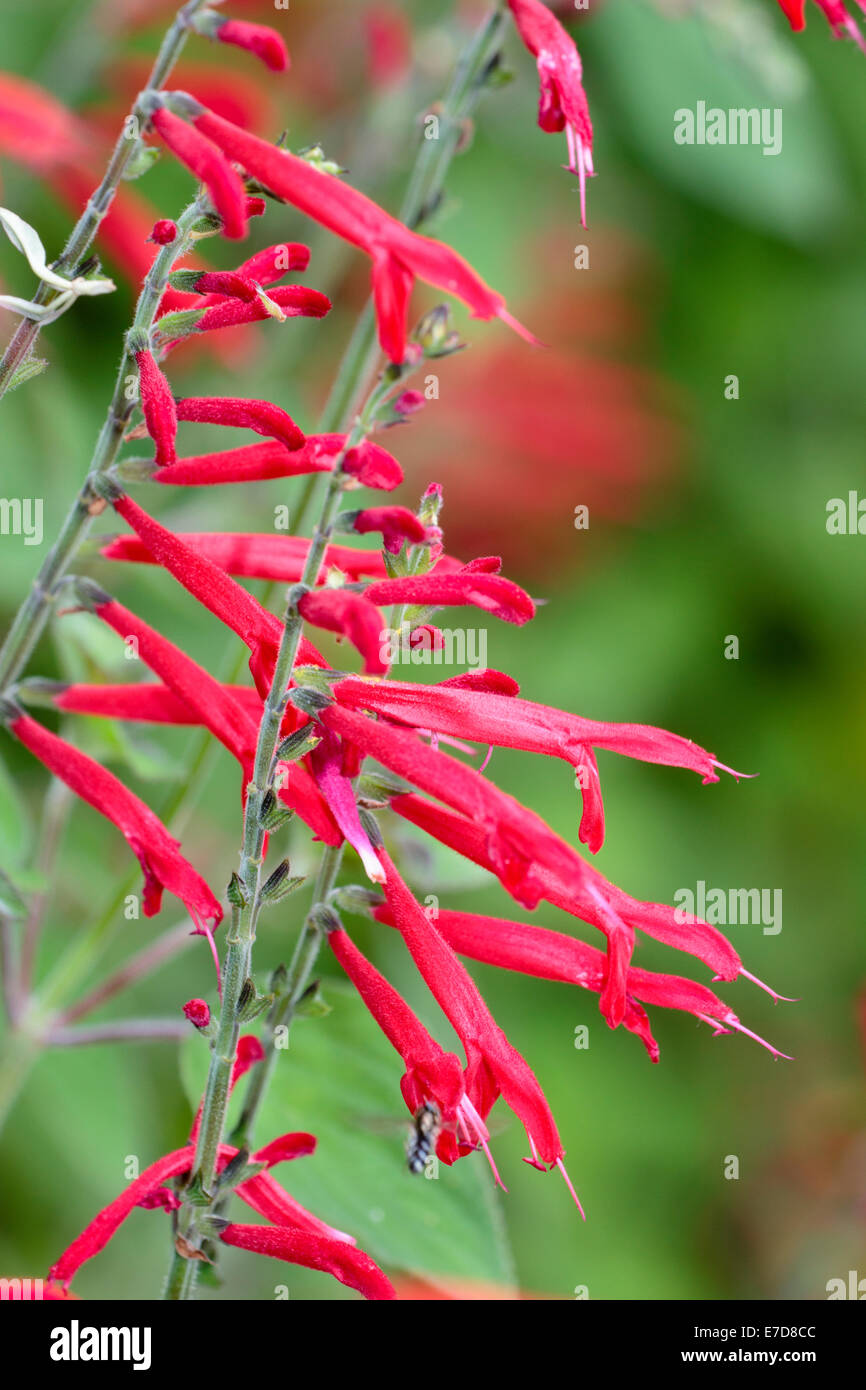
(739,1027)
(776,998)
(569,1184)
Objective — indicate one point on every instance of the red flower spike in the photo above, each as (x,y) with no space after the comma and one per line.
(148,703)
(353,616)
(493,1064)
(399,255)
(397,525)
(347,1264)
(260,416)
(157,403)
(197,1012)
(326,760)
(258,39)
(209,164)
(159,854)
(490,592)
(164,232)
(371,465)
(562,100)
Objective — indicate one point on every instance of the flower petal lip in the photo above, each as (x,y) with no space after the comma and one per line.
(326,761)
(260,416)
(346,1263)
(490,592)
(208,163)
(399,255)
(158,853)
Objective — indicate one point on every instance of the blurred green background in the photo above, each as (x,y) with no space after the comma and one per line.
(707,520)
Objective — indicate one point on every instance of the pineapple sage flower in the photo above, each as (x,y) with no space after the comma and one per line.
(293,1233)
(399,255)
(562,101)
(163,865)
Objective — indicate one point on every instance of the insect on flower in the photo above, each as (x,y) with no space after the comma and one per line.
(421,1141)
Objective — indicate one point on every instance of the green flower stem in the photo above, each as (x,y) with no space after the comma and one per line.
(249,879)
(83,233)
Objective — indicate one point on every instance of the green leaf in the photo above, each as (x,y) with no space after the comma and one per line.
(340,1079)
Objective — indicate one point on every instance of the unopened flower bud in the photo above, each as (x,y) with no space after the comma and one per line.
(164,232)
(197,1012)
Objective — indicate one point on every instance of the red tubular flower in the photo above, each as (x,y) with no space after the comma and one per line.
(507,722)
(494,1066)
(107,1222)
(157,404)
(159,854)
(292,301)
(353,616)
(369,464)
(551,955)
(397,525)
(399,255)
(431,1073)
(326,761)
(256,627)
(562,102)
(496,831)
(585,894)
(236,608)
(209,164)
(214,705)
(350,1266)
(258,556)
(151,704)
(259,39)
(491,592)
(260,416)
